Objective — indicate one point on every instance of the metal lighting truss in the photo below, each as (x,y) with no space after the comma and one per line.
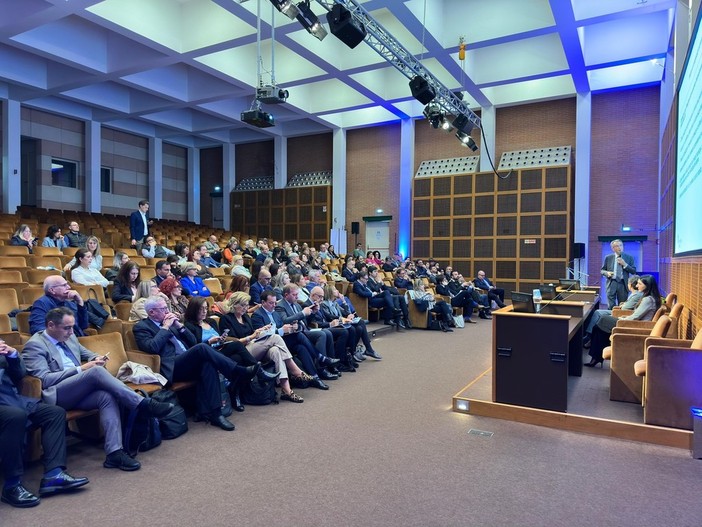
(405,62)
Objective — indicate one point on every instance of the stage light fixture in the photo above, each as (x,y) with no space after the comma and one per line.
(421,90)
(343,27)
(310,21)
(287,8)
(434,115)
(466,140)
(446,125)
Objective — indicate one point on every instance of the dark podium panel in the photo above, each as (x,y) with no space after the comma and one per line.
(534,353)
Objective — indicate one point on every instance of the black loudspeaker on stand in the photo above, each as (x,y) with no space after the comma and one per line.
(355,229)
(578,250)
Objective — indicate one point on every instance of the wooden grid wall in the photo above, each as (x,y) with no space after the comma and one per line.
(302,214)
(682,276)
(519,230)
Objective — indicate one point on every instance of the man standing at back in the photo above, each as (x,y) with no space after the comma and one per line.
(139,223)
(616,268)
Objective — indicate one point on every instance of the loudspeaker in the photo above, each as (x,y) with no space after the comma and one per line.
(344,28)
(578,250)
(355,227)
(421,90)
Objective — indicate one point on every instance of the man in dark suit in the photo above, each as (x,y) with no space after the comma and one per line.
(296,341)
(57,293)
(139,223)
(17,414)
(401,281)
(263,282)
(72,376)
(183,359)
(375,283)
(338,336)
(382,300)
(323,341)
(616,268)
(457,285)
(163,271)
(495,294)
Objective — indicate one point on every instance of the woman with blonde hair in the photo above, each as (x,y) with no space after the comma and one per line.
(238,267)
(422,297)
(145,290)
(262,344)
(93,245)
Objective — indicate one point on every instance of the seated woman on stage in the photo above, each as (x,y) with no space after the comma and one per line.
(82,273)
(645,310)
(420,295)
(206,330)
(272,348)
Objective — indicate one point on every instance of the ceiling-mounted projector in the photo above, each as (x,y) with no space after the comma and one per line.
(258,118)
(271,94)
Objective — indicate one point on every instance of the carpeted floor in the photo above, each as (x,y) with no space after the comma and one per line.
(382,448)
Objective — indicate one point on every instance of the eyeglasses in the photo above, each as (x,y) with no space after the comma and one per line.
(164,308)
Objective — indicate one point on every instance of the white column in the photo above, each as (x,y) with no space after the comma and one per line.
(93,157)
(404,221)
(583,134)
(280,154)
(338,179)
(228,183)
(488,120)
(194,185)
(155,177)
(11,156)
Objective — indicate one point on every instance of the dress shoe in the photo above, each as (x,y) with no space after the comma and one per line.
(594,362)
(373,355)
(400,323)
(121,460)
(155,408)
(264,375)
(18,496)
(484,315)
(60,483)
(469,320)
(317,383)
(408,324)
(221,422)
(358,356)
(389,322)
(328,361)
(236,402)
(587,344)
(346,368)
(324,374)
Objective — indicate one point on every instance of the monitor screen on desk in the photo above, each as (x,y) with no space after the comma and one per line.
(523,302)
(569,284)
(548,291)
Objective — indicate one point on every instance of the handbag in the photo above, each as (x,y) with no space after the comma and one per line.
(141,431)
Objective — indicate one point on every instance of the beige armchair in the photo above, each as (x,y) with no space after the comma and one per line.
(626,349)
(671,370)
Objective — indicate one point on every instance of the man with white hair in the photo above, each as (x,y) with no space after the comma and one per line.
(58,293)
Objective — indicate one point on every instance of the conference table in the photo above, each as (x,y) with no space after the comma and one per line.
(535,353)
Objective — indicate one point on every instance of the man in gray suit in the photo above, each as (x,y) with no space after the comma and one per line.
(72,376)
(616,268)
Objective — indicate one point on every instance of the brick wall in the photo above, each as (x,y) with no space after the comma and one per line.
(310,153)
(624,170)
(373,175)
(254,160)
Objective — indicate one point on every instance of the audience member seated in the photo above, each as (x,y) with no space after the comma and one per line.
(177,303)
(375,283)
(23,236)
(145,290)
(646,308)
(238,283)
(263,282)
(18,414)
(332,254)
(463,299)
(249,249)
(358,251)
(118,261)
(54,238)
(163,271)
(261,343)
(206,258)
(350,272)
(93,245)
(230,251)
(426,302)
(458,284)
(373,258)
(212,247)
(183,359)
(303,295)
(82,273)
(495,294)
(207,330)
(75,238)
(73,377)
(339,338)
(238,266)
(126,283)
(195,257)
(150,249)
(401,280)
(182,251)
(296,341)
(382,300)
(191,282)
(279,281)
(58,293)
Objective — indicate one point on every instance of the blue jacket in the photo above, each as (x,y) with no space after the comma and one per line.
(198,288)
(44,304)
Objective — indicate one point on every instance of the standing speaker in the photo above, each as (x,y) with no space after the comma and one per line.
(578,250)
(355,227)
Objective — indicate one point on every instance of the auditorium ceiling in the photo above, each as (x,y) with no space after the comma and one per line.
(184,70)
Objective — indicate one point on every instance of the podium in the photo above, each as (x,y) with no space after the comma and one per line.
(534,353)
